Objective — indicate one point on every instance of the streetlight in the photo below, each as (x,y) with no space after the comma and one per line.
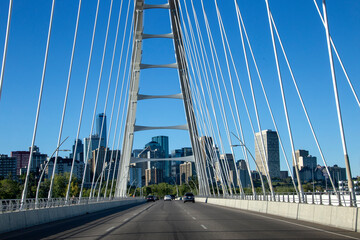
(257,167)
(43,171)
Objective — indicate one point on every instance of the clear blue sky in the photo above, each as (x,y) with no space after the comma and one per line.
(299,26)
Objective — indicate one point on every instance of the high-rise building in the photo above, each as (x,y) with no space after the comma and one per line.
(79,155)
(227,161)
(210,154)
(163,141)
(153,176)
(101,122)
(303,159)
(271,156)
(7,166)
(22,159)
(175,165)
(37,159)
(89,146)
(100,155)
(135,176)
(243,173)
(187,170)
(63,165)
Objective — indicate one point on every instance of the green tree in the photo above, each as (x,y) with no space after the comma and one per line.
(9,189)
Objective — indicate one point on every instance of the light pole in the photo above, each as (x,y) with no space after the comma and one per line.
(43,171)
(257,167)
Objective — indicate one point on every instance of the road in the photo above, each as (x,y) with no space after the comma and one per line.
(176,220)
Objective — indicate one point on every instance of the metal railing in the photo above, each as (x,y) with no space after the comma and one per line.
(14,205)
(320,198)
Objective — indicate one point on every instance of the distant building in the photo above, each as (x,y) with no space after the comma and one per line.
(153,176)
(22,159)
(163,142)
(337,173)
(90,144)
(210,154)
(187,170)
(7,166)
(227,161)
(306,174)
(99,156)
(101,132)
(175,165)
(63,165)
(135,176)
(79,155)
(37,159)
(244,173)
(271,156)
(303,159)
(284,174)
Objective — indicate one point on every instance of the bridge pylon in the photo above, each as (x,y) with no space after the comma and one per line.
(136,67)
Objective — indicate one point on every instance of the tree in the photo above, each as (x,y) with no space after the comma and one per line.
(9,189)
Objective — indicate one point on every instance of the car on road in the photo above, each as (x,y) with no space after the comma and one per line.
(167,198)
(172,197)
(150,198)
(189,197)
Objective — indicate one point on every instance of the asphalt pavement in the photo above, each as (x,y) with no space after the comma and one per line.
(178,220)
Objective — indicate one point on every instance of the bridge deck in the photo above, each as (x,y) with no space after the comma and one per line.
(176,220)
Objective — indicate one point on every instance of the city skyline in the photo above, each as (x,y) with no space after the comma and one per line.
(303,39)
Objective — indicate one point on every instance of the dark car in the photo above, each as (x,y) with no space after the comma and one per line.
(172,197)
(189,197)
(150,198)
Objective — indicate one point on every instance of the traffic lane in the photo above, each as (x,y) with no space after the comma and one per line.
(84,225)
(227,223)
(165,220)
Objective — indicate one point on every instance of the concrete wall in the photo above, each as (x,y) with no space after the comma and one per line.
(23,219)
(341,217)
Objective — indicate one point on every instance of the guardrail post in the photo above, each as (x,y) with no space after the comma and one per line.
(321,199)
(339,199)
(329,198)
(313,200)
(351,200)
(293,198)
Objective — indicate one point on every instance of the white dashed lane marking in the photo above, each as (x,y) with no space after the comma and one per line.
(203,226)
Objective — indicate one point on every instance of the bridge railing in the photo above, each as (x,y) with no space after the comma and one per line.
(321,198)
(13,205)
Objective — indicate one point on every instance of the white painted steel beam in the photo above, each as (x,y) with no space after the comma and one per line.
(173,96)
(182,159)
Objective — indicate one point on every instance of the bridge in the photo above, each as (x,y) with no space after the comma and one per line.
(213,75)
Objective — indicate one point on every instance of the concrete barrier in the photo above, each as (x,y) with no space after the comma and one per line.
(306,212)
(322,214)
(258,206)
(344,217)
(358,220)
(23,219)
(337,216)
(289,210)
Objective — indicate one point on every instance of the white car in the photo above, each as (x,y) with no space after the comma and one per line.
(167,198)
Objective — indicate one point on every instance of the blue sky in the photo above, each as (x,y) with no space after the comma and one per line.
(302,34)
